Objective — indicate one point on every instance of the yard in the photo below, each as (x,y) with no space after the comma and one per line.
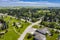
(54,37)
(38,26)
(29,37)
(11,34)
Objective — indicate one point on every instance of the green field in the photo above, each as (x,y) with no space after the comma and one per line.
(29,37)
(54,37)
(11,34)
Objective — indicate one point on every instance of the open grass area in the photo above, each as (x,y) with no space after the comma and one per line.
(24,26)
(11,34)
(38,26)
(54,37)
(29,37)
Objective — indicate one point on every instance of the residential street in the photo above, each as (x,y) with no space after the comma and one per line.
(28,29)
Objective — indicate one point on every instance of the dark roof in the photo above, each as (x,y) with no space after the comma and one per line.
(43,30)
(39,36)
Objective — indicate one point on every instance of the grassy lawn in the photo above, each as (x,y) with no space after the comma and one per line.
(54,37)
(11,34)
(29,37)
(20,30)
(38,27)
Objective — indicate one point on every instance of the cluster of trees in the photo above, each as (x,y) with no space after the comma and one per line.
(52,19)
(53,16)
(4,25)
(50,14)
(24,13)
(51,24)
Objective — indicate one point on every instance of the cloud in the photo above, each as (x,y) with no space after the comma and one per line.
(9,0)
(23,3)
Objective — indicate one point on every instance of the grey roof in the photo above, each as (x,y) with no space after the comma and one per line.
(39,36)
(39,33)
(44,30)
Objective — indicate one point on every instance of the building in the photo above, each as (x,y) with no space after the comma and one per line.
(39,36)
(43,31)
(40,33)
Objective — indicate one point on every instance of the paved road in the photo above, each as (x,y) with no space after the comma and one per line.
(28,29)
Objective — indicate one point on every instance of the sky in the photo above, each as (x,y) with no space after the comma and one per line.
(44,3)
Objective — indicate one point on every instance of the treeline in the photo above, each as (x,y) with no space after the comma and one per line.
(32,13)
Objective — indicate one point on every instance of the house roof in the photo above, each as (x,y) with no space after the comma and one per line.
(44,30)
(39,36)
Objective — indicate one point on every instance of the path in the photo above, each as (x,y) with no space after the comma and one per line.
(28,29)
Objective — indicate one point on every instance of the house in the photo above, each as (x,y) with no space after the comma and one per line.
(40,33)
(43,31)
(39,36)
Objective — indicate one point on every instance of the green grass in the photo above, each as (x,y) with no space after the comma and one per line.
(23,27)
(54,37)
(24,24)
(38,27)
(26,37)
(11,34)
